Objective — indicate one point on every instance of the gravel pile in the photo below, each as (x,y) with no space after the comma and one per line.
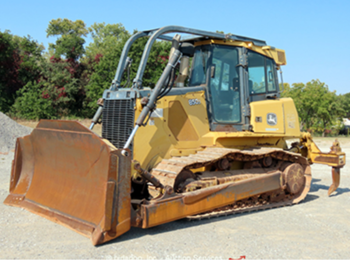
(9,132)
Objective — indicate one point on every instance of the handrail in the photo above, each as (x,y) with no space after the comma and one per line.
(137,82)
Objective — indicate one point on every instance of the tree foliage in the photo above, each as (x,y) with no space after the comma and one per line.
(60,91)
(318,108)
(107,46)
(105,37)
(53,96)
(70,43)
(9,65)
(19,63)
(66,27)
(344,103)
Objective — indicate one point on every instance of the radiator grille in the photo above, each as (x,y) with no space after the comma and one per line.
(118,121)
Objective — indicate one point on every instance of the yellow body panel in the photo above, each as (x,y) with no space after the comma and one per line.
(286,120)
(179,127)
(267,116)
(291,118)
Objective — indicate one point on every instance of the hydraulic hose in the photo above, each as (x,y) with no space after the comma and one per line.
(153,98)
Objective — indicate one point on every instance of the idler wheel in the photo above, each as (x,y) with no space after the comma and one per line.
(267,161)
(180,180)
(223,164)
(294,178)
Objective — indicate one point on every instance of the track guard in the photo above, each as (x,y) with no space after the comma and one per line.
(66,173)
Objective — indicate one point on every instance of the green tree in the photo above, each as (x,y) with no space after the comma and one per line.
(316,105)
(70,45)
(70,42)
(51,97)
(19,63)
(60,91)
(344,102)
(9,64)
(31,59)
(284,87)
(157,60)
(103,72)
(104,38)
(107,46)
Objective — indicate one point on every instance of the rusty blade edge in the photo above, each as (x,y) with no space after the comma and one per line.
(82,227)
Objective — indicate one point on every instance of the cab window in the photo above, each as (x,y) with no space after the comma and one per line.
(199,67)
(261,74)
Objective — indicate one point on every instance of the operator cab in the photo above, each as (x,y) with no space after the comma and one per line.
(233,76)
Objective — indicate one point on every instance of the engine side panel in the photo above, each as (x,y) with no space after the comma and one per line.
(275,116)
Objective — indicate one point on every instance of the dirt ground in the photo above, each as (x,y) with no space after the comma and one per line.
(316,228)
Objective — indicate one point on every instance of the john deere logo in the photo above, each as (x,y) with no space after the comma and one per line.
(271,119)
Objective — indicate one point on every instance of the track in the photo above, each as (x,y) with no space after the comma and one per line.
(173,171)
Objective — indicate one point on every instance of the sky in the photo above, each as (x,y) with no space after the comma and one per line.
(313,33)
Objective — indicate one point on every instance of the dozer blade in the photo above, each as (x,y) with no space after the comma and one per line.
(66,173)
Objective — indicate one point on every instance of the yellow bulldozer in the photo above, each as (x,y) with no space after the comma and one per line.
(209,139)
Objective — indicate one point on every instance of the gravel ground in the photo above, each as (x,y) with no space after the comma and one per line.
(9,131)
(317,228)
